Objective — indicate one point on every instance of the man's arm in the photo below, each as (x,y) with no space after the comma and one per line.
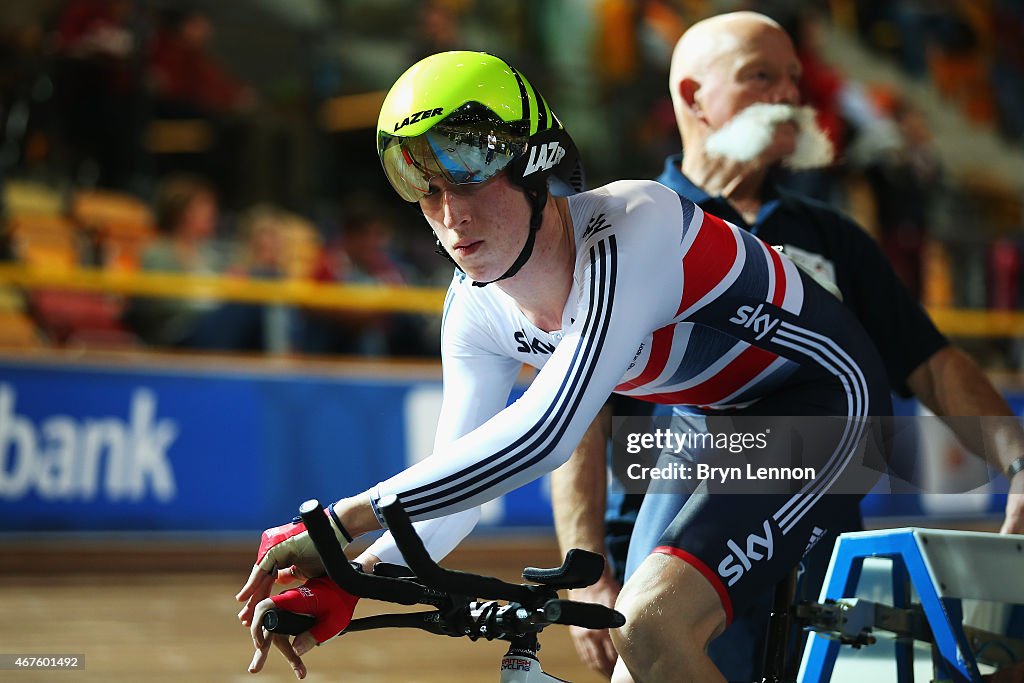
(578,498)
(951,384)
(579,490)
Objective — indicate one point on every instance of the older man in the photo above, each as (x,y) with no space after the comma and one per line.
(734,85)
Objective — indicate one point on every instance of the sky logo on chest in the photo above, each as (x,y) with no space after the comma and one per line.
(532,345)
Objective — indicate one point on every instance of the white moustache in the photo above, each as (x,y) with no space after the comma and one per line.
(745,136)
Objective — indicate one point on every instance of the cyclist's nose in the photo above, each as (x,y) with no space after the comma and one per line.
(455,209)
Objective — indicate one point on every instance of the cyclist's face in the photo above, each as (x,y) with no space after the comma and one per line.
(483,226)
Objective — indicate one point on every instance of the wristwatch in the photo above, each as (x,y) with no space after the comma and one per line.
(1015,467)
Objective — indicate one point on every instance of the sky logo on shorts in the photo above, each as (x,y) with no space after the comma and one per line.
(735,565)
(754,319)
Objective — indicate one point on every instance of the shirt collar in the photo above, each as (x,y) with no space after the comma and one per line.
(673,178)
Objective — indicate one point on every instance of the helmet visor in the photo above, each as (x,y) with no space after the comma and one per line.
(460,154)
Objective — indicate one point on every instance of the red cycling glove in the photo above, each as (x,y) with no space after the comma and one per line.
(290,544)
(323,599)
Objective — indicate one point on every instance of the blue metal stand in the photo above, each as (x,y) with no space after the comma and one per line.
(953,656)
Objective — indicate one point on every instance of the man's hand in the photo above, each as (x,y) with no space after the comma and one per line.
(594,646)
(283,548)
(320,598)
(1014,522)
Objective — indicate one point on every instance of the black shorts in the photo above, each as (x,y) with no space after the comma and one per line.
(746,535)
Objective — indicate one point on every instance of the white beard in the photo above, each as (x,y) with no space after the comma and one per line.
(745,136)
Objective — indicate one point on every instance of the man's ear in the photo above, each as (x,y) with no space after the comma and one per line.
(688,92)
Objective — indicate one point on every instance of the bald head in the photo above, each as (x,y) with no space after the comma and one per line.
(726,63)
(715,38)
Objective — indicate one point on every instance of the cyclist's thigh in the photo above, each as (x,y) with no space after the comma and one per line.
(655,515)
(738,544)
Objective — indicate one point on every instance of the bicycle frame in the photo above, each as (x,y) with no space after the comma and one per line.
(469,605)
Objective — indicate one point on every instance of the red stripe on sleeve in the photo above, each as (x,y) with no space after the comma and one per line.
(708,260)
(661,344)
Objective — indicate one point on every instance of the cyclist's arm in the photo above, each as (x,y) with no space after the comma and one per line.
(477,381)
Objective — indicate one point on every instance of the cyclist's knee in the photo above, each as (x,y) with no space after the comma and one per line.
(669,608)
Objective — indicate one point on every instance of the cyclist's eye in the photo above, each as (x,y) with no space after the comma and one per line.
(433,189)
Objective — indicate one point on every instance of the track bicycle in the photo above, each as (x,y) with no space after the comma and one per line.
(464,604)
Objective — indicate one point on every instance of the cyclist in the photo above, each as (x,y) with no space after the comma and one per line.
(627,288)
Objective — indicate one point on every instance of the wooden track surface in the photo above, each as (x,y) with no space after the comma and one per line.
(152,626)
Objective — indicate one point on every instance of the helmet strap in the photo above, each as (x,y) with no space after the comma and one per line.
(537,198)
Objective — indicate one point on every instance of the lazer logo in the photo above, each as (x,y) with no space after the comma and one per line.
(754,319)
(735,565)
(535,346)
(418,116)
(543,157)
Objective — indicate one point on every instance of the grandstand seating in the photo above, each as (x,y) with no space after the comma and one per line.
(98,228)
(120,224)
(44,240)
(18,331)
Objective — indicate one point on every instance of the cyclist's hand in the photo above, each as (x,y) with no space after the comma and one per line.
(286,547)
(594,646)
(1014,522)
(320,598)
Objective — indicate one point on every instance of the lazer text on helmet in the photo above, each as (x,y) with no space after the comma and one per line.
(418,116)
(543,157)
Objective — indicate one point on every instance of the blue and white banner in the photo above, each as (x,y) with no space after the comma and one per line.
(112,447)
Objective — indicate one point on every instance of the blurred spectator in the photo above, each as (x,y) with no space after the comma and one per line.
(904,174)
(957,63)
(187,214)
(205,118)
(186,78)
(259,231)
(1003,274)
(365,255)
(437,30)
(1007,26)
(822,87)
(98,83)
(26,94)
(240,326)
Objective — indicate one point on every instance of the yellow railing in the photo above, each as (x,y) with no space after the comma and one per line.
(170,285)
(423,300)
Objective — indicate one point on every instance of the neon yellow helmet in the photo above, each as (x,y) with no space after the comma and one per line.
(466,116)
